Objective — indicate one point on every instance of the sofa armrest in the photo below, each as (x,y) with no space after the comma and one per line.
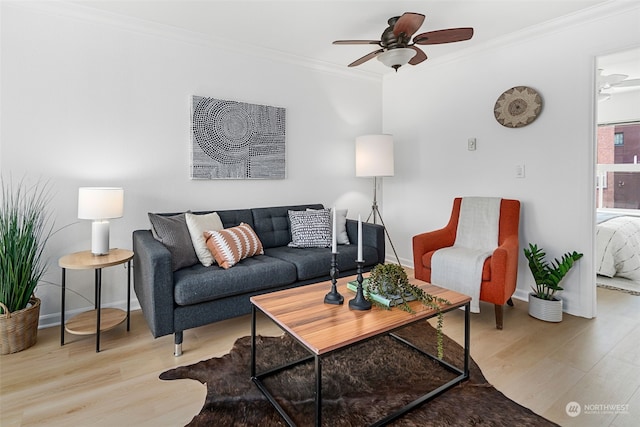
(153,282)
(372,235)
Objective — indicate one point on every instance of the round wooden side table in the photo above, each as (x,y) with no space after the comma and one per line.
(99,319)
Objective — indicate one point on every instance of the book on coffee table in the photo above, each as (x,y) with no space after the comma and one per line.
(388,302)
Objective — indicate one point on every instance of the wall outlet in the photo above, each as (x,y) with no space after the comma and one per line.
(519,171)
(471,144)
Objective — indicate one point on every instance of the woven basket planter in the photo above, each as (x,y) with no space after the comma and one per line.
(19,330)
(543,309)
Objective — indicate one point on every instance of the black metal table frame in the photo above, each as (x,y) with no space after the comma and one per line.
(97,302)
(463,374)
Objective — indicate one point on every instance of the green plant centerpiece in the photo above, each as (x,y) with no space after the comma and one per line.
(25,228)
(391,281)
(548,275)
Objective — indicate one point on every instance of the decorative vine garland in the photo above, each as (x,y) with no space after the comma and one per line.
(390,280)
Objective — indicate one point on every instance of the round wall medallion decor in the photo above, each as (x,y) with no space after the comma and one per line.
(518,107)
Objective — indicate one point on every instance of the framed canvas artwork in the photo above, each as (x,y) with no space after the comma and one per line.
(236,140)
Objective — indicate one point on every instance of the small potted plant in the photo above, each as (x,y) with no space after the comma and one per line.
(25,228)
(544,304)
(391,282)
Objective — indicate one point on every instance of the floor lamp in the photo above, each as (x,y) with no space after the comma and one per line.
(374,158)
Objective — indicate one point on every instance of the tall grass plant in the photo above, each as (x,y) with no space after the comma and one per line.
(25,227)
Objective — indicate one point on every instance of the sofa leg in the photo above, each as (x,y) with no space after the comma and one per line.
(177,338)
(499,312)
(510,302)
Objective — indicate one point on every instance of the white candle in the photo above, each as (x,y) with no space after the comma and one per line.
(334,242)
(359,239)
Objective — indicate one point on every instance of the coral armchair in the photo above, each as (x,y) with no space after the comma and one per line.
(499,272)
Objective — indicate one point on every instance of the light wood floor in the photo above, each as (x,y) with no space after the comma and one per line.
(541,365)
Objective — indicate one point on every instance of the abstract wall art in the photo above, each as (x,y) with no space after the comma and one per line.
(236,140)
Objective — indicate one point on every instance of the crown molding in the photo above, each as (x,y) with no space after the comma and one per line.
(592,14)
(83,13)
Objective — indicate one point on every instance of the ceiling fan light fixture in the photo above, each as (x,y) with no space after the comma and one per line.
(396,58)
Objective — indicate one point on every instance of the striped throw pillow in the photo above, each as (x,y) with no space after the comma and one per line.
(231,245)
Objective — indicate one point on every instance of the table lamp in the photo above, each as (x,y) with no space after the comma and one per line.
(100,204)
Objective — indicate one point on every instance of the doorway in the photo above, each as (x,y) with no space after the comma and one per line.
(618,171)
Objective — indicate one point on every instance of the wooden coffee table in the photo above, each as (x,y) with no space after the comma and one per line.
(323,328)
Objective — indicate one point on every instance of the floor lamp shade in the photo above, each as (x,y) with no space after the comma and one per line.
(374,155)
(100,204)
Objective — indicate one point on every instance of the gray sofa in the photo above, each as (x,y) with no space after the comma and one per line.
(173,301)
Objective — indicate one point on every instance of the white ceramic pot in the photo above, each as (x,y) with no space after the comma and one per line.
(547,310)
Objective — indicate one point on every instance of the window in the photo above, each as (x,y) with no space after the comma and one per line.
(618,171)
(618,139)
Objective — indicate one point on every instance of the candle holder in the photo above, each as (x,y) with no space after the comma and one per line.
(359,302)
(334,296)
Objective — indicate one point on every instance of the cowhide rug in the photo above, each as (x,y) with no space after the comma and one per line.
(360,385)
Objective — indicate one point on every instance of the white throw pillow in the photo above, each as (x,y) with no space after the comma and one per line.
(197,225)
(341,227)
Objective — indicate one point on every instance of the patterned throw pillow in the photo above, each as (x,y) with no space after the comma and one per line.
(231,245)
(310,229)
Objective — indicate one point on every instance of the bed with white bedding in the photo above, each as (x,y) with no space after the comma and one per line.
(618,246)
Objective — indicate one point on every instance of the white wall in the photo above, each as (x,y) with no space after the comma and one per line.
(434,108)
(93,99)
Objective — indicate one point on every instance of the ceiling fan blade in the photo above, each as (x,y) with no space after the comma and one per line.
(628,83)
(366,58)
(419,57)
(408,24)
(444,36)
(610,79)
(356,42)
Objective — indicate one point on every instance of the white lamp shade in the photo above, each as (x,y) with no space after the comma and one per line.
(374,155)
(100,202)
(395,58)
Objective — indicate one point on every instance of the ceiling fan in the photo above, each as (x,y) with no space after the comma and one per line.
(607,82)
(396,47)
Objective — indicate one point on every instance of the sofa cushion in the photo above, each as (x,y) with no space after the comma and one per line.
(231,245)
(272,224)
(310,229)
(198,284)
(311,263)
(197,225)
(233,217)
(172,231)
